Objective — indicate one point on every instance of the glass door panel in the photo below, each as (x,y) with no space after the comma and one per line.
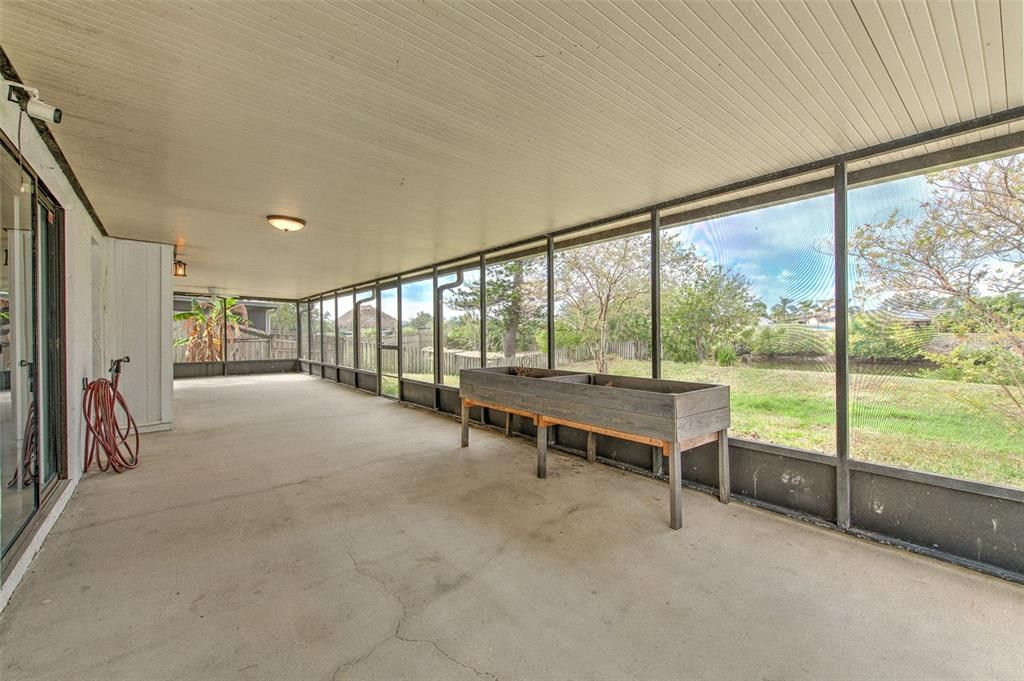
(366,330)
(19,493)
(388,344)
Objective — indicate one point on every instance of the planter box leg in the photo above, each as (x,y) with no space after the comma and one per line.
(542,452)
(465,424)
(724,482)
(675,487)
(657,461)
(591,446)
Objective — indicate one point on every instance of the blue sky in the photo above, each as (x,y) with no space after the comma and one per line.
(785,251)
(418,297)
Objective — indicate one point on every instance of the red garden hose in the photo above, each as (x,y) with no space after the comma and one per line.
(29,449)
(111,436)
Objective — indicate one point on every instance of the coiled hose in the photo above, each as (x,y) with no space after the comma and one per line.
(111,436)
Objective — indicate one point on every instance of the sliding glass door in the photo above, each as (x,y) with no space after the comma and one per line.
(19,413)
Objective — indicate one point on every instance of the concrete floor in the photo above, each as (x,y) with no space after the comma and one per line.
(288,528)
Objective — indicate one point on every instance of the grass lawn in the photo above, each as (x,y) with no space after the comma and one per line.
(389,386)
(925,424)
(449,379)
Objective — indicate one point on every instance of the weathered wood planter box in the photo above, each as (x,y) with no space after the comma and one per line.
(672,415)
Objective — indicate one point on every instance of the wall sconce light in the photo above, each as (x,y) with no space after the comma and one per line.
(179,268)
(286,223)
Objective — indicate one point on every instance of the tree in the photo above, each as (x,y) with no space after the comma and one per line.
(204,327)
(422,320)
(462,332)
(966,246)
(782,311)
(596,282)
(283,317)
(713,309)
(516,298)
(604,288)
(883,337)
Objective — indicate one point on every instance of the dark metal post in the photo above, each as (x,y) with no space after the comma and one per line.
(439,326)
(224,334)
(655,295)
(842,357)
(657,453)
(437,333)
(320,323)
(380,372)
(483,311)
(356,334)
(309,327)
(298,333)
(401,347)
(551,302)
(337,341)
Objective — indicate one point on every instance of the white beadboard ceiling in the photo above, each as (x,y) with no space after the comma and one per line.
(410,132)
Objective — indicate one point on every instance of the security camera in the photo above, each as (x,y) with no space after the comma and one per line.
(37,108)
(33,106)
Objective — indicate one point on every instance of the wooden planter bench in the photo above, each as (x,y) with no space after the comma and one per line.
(672,416)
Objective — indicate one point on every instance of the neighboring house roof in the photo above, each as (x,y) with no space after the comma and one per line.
(367,317)
(913,316)
(257,304)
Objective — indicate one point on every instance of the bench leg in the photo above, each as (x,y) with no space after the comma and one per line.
(591,446)
(542,452)
(508,424)
(724,482)
(465,424)
(675,487)
(657,461)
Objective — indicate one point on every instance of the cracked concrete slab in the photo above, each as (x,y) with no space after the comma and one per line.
(288,528)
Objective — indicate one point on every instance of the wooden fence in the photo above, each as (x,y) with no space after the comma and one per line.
(274,346)
(417,353)
(418,357)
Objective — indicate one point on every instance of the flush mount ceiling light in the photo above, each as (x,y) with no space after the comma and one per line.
(286,223)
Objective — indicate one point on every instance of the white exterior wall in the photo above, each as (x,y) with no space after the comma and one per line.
(90,287)
(137,324)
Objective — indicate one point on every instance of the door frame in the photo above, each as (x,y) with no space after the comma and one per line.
(396,286)
(53,356)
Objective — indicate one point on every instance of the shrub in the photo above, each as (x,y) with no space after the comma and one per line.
(678,349)
(767,341)
(725,355)
(986,364)
(792,339)
(880,337)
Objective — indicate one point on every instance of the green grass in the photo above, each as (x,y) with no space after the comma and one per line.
(449,379)
(389,386)
(425,378)
(932,425)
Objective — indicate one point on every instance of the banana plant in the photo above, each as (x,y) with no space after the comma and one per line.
(203,323)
